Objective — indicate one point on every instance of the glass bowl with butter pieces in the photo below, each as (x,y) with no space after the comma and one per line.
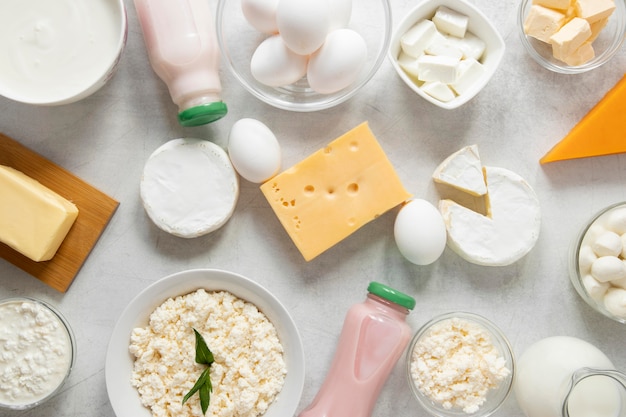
(570,37)
(460,364)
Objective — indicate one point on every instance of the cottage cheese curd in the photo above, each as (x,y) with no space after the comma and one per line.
(249,368)
(455,363)
(36,353)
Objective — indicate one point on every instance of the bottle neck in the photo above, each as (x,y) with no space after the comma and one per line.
(388,306)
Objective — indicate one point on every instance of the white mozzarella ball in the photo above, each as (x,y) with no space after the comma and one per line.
(254,150)
(607,244)
(261,14)
(617,221)
(338,62)
(340,13)
(303,24)
(615,302)
(586,257)
(608,268)
(595,288)
(420,232)
(275,65)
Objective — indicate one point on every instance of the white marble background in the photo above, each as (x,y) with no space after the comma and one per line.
(523,111)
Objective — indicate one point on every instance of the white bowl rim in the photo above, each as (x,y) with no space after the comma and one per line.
(427,8)
(125,399)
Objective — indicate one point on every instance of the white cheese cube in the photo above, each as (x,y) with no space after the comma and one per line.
(554,4)
(450,21)
(542,22)
(470,71)
(408,63)
(418,37)
(471,45)
(570,37)
(437,68)
(594,10)
(438,90)
(444,50)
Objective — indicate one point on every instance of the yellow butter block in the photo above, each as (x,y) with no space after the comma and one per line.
(333,192)
(34,220)
(600,132)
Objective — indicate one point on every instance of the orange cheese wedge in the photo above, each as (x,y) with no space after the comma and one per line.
(601,132)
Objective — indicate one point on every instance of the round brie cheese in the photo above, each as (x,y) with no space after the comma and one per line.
(507,233)
(189,187)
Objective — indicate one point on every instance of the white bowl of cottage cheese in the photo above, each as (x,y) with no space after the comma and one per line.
(258,357)
(37,352)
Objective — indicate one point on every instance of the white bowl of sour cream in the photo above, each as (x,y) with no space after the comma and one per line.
(59,51)
(37,352)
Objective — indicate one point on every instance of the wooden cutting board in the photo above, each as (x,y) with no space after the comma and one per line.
(95,210)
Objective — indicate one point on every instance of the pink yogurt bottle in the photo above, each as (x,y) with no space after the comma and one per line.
(182,46)
(374,335)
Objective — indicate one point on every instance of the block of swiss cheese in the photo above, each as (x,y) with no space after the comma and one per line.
(600,132)
(333,192)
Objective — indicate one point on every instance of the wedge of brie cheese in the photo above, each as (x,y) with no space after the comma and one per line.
(463,171)
(507,233)
(189,187)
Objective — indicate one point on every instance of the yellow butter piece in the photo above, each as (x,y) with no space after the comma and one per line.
(554,4)
(570,37)
(34,220)
(543,22)
(333,192)
(581,55)
(594,10)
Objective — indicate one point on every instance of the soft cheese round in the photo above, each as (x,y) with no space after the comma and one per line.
(189,187)
(507,234)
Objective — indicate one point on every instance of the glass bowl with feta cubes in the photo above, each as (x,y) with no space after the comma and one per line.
(460,364)
(446,51)
(38,352)
(572,36)
(302,55)
(597,262)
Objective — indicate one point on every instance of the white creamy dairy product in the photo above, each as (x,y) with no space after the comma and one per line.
(58,51)
(35,352)
(456,363)
(507,233)
(440,68)
(450,21)
(249,368)
(189,187)
(463,170)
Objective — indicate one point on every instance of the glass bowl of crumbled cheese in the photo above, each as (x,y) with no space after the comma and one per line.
(460,364)
(37,352)
(256,361)
(570,37)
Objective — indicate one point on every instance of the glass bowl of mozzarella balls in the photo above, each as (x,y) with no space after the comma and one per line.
(303,55)
(598,262)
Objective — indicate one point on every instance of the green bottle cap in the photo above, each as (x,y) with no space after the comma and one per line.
(202,114)
(392,295)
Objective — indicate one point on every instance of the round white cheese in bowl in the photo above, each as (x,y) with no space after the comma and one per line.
(189,187)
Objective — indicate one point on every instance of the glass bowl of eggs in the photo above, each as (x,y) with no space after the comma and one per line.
(597,266)
(302,55)
(572,39)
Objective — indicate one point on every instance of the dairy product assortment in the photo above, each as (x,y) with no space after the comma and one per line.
(569,26)
(441,55)
(190,187)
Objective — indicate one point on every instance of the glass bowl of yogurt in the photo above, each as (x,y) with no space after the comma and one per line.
(584,37)
(303,55)
(61,51)
(37,352)
(597,262)
(460,364)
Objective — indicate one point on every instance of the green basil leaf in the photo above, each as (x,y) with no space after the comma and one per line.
(203,353)
(204,377)
(205,397)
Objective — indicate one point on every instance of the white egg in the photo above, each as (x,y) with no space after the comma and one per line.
(261,14)
(275,65)
(420,232)
(340,13)
(338,62)
(303,24)
(254,150)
